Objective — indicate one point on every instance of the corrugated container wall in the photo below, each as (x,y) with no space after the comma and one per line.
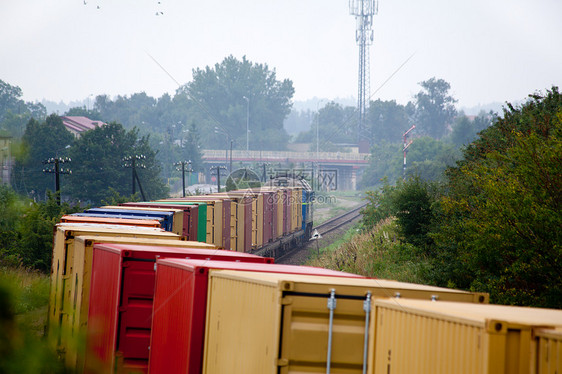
(443,337)
(201,214)
(63,275)
(177,215)
(110,221)
(179,309)
(189,216)
(132,211)
(121,301)
(215,219)
(549,351)
(279,323)
(79,293)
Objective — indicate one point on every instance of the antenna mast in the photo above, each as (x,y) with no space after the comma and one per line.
(363,10)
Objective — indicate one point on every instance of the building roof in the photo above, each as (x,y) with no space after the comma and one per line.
(78,124)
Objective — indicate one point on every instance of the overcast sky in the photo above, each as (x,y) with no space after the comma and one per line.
(489,51)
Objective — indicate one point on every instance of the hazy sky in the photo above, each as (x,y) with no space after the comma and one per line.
(493,50)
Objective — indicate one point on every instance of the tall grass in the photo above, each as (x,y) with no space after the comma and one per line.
(23,309)
(378,252)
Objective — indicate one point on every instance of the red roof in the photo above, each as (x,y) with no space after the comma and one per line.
(80,124)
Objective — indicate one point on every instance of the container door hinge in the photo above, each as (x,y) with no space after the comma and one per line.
(286,300)
(282,362)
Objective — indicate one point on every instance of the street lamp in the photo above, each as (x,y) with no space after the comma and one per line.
(228,138)
(317,140)
(317,127)
(247,123)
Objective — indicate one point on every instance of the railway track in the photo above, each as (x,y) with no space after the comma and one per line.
(323,229)
(339,221)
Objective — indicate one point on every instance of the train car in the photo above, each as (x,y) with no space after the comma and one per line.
(145,299)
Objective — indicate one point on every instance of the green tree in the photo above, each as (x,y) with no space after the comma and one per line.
(10,99)
(41,141)
(14,112)
(26,229)
(386,161)
(331,125)
(98,164)
(83,112)
(379,205)
(388,121)
(501,219)
(466,130)
(413,203)
(429,158)
(225,93)
(435,108)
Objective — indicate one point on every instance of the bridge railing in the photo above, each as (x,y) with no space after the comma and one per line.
(283,155)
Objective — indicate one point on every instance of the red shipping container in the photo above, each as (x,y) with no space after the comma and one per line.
(121,297)
(190,216)
(180,302)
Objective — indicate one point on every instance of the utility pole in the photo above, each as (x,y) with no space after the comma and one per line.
(218,173)
(56,161)
(230,168)
(131,162)
(182,164)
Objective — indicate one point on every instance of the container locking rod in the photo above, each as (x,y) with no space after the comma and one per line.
(367,309)
(331,307)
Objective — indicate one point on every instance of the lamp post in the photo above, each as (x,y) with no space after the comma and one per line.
(247,123)
(317,136)
(228,138)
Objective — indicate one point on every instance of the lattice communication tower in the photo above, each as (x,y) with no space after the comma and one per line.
(363,10)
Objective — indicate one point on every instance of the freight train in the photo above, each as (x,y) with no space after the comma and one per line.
(177,286)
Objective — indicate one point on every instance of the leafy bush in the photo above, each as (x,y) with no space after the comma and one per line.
(500,223)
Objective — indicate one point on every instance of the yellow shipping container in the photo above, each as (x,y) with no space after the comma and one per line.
(279,323)
(549,351)
(259,220)
(80,287)
(298,203)
(418,336)
(214,217)
(243,197)
(62,269)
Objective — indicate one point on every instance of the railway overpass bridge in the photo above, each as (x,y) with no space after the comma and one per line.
(330,170)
